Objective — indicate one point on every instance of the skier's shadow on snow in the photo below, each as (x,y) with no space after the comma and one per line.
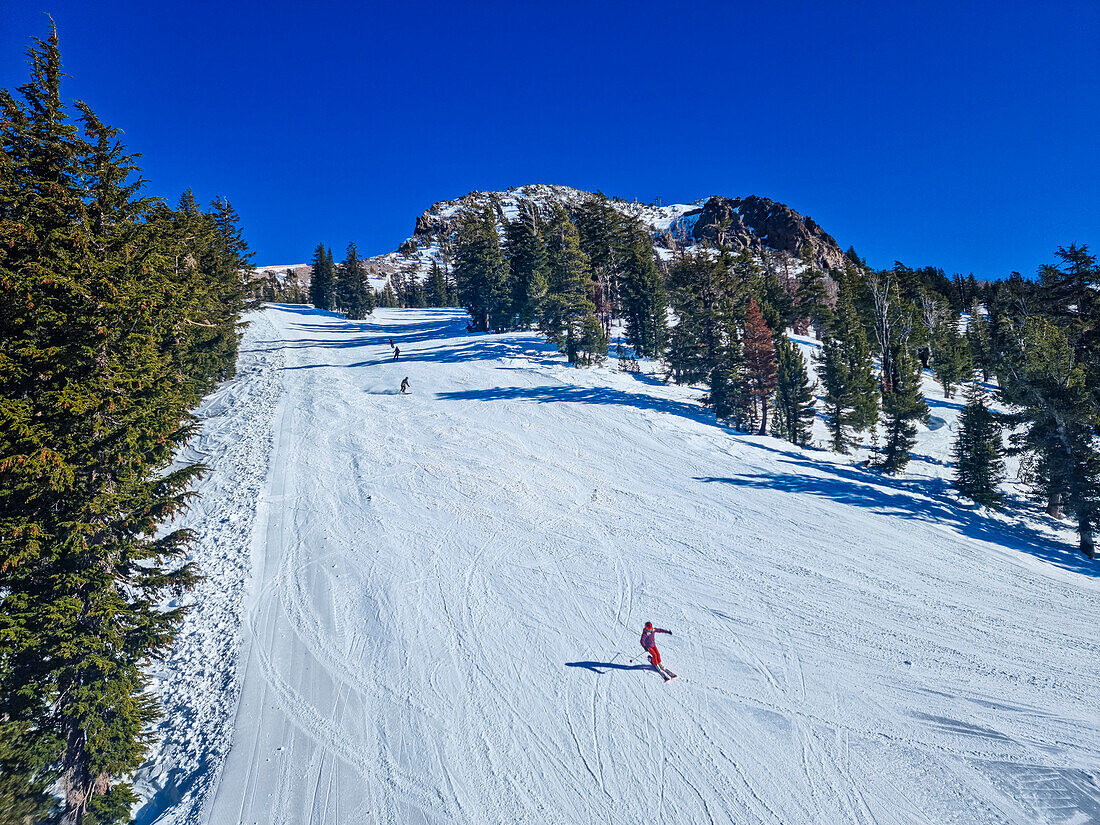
(602,667)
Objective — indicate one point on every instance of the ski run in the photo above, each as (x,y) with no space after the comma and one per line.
(426,608)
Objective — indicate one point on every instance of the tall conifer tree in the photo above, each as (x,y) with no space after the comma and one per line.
(481,272)
(794,398)
(1044,378)
(705,341)
(978,451)
(568,314)
(642,295)
(528,266)
(96,410)
(851,392)
(903,405)
(760,365)
(322,280)
(436,292)
(356,298)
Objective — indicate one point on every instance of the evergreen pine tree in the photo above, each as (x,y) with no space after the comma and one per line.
(813,301)
(1043,377)
(355,298)
(705,341)
(95,411)
(528,266)
(978,451)
(481,272)
(794,398)
(436,292)
(979,345)
(322,280)
(388,295)
(851,393)
(568,314)
(903,405)
(598,230)
(951,364)
(642,294)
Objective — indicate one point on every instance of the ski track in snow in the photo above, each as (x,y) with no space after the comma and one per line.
(422,609)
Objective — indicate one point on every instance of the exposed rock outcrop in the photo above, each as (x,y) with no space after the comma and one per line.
(756,223)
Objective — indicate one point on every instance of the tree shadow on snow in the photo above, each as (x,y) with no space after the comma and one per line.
(375,332)
(943,403)
(178,784)
(585,395)
(926,500)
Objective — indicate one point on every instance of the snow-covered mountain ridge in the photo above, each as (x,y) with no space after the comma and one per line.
(752,222)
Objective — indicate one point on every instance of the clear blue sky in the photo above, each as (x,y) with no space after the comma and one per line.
(962,135)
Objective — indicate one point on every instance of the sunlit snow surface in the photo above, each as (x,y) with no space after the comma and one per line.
(425,608)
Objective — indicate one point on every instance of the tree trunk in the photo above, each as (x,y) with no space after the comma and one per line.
(763,416)
(1084,527)
(74,777)
(1054,505)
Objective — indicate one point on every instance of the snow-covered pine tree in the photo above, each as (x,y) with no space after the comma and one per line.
(978,450)
(794,397)
(903,405)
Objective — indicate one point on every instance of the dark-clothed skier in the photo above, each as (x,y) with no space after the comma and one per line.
(404,385)
(396,353)
(650,645)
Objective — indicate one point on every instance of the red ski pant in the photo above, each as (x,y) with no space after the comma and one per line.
(654,655)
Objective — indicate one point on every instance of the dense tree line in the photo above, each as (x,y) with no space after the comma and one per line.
(118,314)
(720,319)
(345,287)
(1041,340)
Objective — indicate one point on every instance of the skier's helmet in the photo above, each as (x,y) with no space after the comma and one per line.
(648,625)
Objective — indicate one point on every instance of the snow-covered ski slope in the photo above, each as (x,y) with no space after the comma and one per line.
(447,591)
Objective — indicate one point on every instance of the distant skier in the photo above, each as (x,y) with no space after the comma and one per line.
(392,344)
(404,385)
(396,353)
(650,644)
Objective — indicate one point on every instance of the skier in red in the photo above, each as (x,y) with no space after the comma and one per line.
(650,644)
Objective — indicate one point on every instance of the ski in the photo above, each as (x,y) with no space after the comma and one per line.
(666,674)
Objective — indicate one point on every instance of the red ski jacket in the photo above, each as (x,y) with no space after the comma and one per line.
(647,636)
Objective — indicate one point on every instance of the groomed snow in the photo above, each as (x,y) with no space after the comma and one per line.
(447,590)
